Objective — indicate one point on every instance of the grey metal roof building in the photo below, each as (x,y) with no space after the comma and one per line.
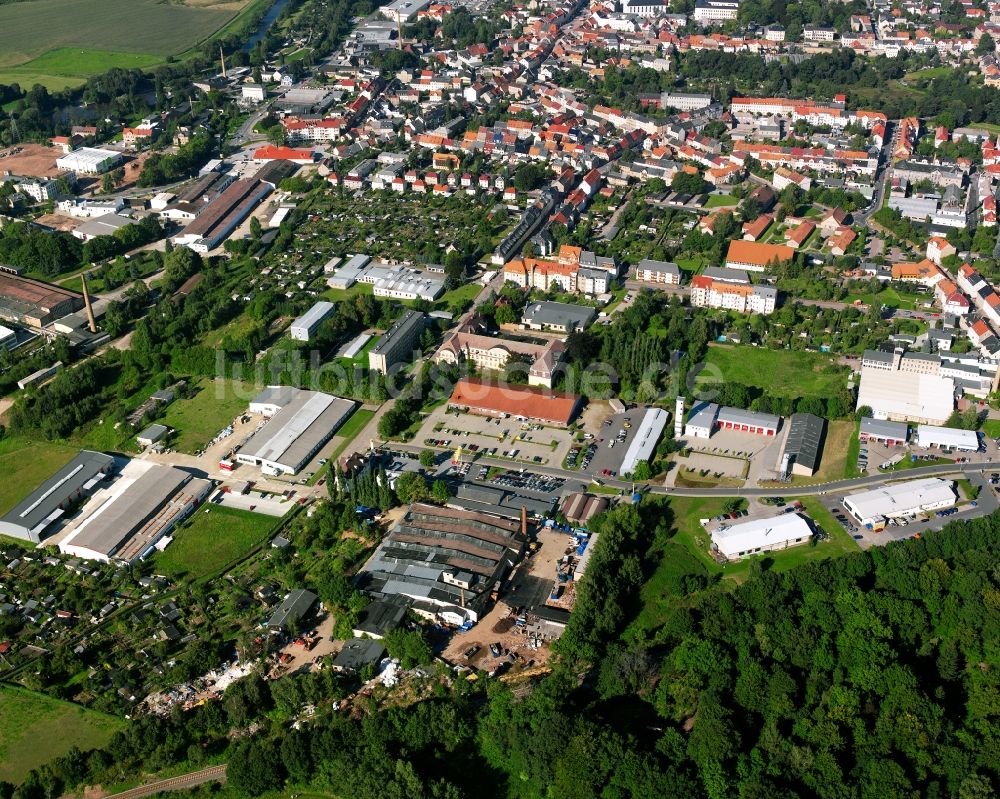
(292,608)
(750,421)
(303,328)
(451,559)
(305,421)
(882,430)
(804,444)
(726,275)
(30,519)
(358,653)
(560,316)
(379,618)
(123,521)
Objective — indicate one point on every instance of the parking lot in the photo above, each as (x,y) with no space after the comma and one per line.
(916,525)
(522,442)
(611,442)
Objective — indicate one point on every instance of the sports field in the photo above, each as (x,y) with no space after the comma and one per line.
(59,43)
(35,728)
(25,464)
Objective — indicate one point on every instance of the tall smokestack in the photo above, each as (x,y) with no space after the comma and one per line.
(524,521)
(86,302)
(222,58)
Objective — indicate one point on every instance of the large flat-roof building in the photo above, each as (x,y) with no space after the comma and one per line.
(223,215)
(906,396)
(293,608)
(948,437)
(548,407)
(90,161)
(33,302)
(901,499)
(761,535)
(30,519)
(122,522)
(398,343)
(8,338)
(300,423)
(303,328)
(804,443)
(644,442)
(445,563)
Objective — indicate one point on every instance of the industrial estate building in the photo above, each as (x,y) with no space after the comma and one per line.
(299,423)
(761,535)
(706,417)
(33,302)
(548,407)
(446,564)
(948,438)
(33,517)
(906,396)
(644,442)
(900,499)
(223,215)
(803,445)
(124,521)
(90,161)
(398,343)
(892,434)
(302,329)
(8,338)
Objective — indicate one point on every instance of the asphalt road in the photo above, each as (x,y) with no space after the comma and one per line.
(181,783)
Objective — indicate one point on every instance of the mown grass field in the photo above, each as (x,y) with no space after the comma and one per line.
(197,419)
(35,728)
(782,373)
(24,464)
(213,537)
(60,43)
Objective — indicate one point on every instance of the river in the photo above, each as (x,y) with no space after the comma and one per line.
(265,25)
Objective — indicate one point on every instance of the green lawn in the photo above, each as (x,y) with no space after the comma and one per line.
(690,534)
(853,450)
(463,295)
(784,373)
(212,538)
(26,464)
(35,728)
(199,418)
(991,427)
(721,201)
(891,298)
(690,264)
(350,429)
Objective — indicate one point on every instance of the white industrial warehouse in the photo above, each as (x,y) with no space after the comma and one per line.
(299,423)
(646,436)
(950,437)
(901,499)
(124,521)
(761,535)
(907,396)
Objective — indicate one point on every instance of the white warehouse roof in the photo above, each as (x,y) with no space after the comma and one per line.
(644,444)
(906,395)
(901,499)
(930,436)
(761,534)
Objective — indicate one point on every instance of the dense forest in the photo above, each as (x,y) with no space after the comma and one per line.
(870,675)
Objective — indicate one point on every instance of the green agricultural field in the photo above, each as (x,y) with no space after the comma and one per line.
(35,728)
(60,43)
(24,465)
(212,538)
(197,419)
(782,373)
